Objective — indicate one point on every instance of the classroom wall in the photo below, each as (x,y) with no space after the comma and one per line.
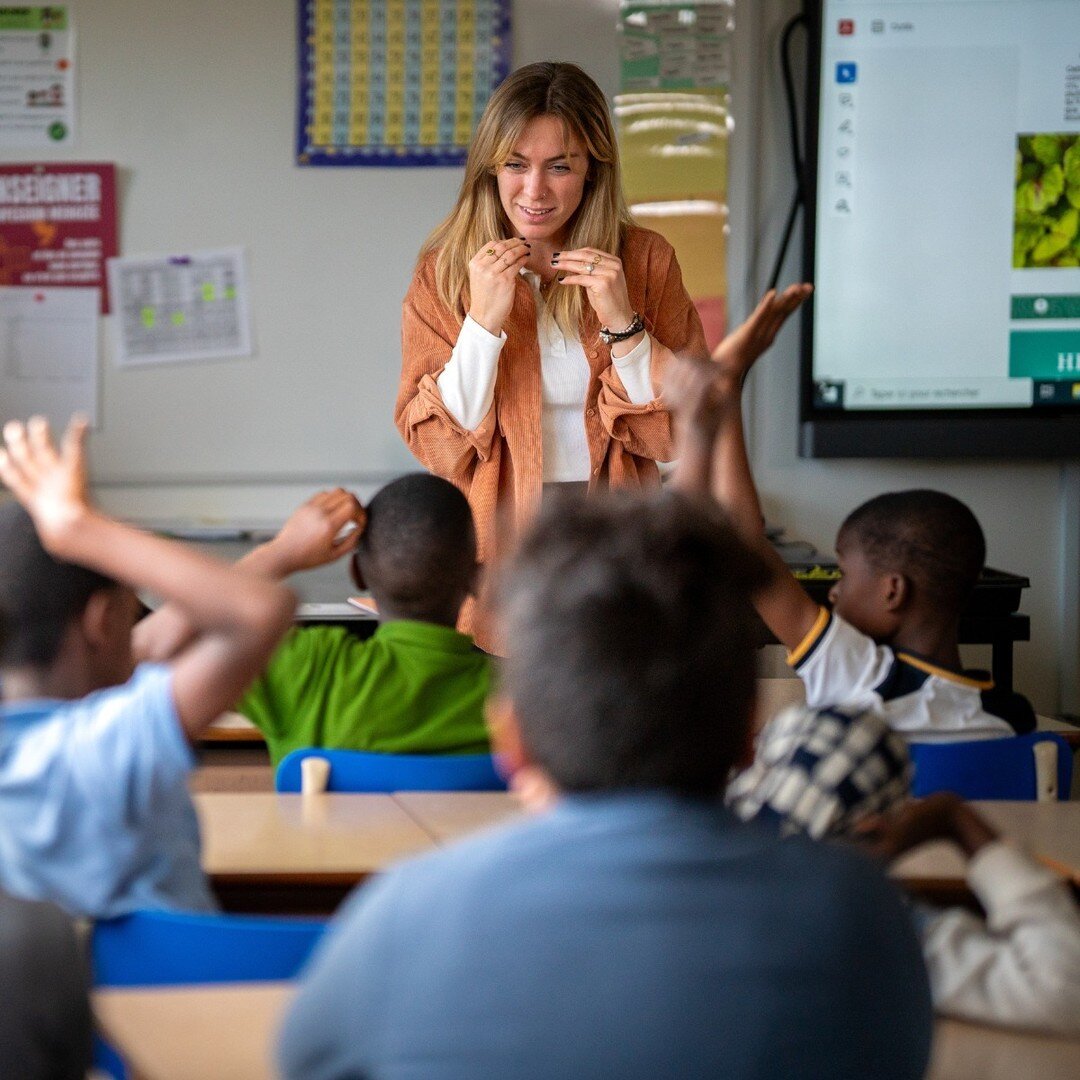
(1020,505)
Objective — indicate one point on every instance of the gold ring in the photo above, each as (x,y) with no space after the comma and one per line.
(490,251)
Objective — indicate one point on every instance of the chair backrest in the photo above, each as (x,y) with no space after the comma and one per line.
(359,770)
(158,948)
(1036,766)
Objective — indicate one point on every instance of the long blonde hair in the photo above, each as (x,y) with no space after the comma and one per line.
(600,221)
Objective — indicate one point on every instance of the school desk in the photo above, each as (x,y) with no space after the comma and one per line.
(189,1033)
(1050,830)
(195,1032)
(294,853)
(934,871)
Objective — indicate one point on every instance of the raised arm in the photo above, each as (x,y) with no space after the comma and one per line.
(707,396)
(239,618)
(316,533)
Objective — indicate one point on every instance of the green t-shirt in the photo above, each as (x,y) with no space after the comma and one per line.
(411,688)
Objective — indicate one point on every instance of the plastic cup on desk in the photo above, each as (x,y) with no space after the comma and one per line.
(314,775)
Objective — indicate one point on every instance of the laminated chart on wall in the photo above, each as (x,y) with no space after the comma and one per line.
(673,116)
(180,307)
(48,353)
(396,82)
(37,76)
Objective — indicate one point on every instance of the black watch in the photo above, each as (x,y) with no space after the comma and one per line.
(609,337)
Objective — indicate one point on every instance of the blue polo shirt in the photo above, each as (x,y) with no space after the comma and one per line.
(95,813)
(629,934)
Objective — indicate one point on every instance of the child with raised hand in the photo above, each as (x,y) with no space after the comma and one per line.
(909,562)
(417,686)
(94,752)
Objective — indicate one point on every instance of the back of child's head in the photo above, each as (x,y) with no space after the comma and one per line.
(39,596)
(630,636)
(417,552)
(931,538)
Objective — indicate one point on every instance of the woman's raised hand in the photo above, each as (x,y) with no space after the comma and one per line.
(493,273)
(601,275)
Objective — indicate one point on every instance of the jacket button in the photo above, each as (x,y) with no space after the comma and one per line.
(590,412)
(592,354)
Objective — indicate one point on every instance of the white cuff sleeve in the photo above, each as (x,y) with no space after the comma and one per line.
(1022,965)
(467,383)
(633,371)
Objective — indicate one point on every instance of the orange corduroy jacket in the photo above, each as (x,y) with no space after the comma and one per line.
(499,465)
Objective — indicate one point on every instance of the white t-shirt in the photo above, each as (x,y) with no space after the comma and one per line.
(840,665)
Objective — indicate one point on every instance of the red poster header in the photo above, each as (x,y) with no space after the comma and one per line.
(57,225)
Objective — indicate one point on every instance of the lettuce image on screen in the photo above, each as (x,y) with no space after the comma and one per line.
(1046,225)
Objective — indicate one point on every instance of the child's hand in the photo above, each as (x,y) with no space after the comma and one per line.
(50,483)
(694,391)
(735,355)
(937,817)
(321,530)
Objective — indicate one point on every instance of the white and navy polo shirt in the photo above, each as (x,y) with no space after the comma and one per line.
(840,665)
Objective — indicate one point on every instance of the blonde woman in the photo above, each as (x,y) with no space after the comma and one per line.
(540,318)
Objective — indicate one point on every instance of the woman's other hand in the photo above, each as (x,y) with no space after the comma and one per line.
(601,275)
(493,273)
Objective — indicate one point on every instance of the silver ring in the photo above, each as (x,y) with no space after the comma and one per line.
(590,267)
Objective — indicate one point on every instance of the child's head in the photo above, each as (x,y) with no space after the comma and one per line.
(631,660)
(904,552)
(54,609)
(417,552)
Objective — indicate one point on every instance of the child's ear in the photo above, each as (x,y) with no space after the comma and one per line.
(505,734)
(356,573)
(474,579)
(96,618)
(897,591)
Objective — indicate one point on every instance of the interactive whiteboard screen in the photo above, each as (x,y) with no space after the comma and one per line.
(945,242)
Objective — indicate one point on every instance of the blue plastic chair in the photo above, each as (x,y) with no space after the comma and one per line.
(157,948)
(359,770)
(160,948)
(994,768)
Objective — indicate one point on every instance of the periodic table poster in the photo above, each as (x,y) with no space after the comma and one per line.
(396,82)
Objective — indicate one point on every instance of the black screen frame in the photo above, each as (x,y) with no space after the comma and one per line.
(1008,433)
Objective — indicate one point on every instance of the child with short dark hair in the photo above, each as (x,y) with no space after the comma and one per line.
(95,753)
(909,562)
(417,685)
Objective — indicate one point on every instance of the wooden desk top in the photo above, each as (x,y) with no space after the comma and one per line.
(1049,829)
(232,727)
(965,1051)
(189,1033)
(322,839)
(448,815)
(195,1032)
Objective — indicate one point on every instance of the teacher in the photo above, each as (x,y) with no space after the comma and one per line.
(540,317)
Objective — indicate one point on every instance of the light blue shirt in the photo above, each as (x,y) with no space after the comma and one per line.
(625,935)
(95,813)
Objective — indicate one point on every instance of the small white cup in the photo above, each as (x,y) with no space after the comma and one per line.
(314,775)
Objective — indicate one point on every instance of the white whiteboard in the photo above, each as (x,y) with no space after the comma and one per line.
(195,103)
